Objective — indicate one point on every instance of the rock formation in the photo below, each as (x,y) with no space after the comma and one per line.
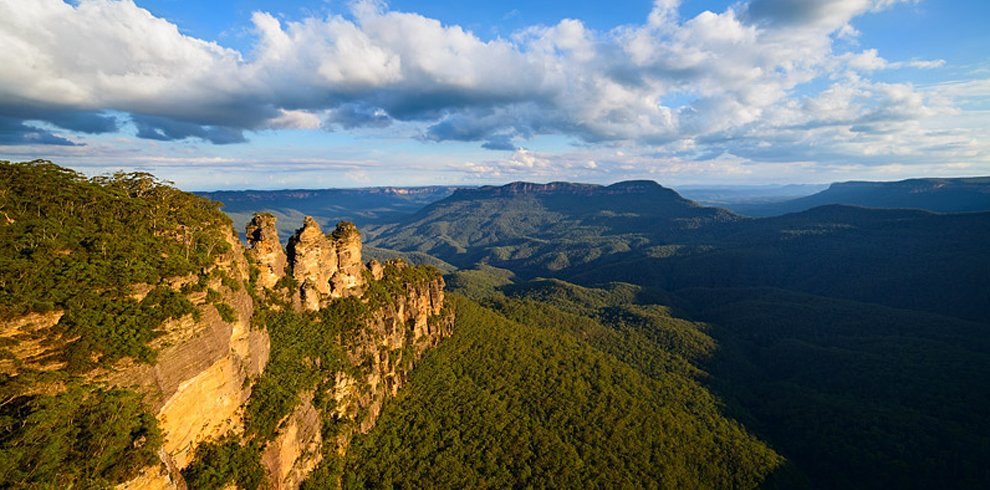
(165,350)
(201,382)
(206,365)
(349,276)
(265,250)
(378,358)
(326,267)
(203,371)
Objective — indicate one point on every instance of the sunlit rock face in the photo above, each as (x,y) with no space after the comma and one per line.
(326,267)
(265,250)
(201,378)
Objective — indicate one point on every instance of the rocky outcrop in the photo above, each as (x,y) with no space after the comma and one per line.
(202,377)
(349,276)
(297,449)
(326,267)
(207,362)
(378,359)
(265,250)
(384,352)
(377,270)
(30,343)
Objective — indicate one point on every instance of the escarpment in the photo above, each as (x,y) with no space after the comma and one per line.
(142,346)
(204,368)
(379,320)
(215,379)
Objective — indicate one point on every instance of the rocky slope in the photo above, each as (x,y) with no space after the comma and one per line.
(202,380)
(401,314)
(135,369)
(202,376)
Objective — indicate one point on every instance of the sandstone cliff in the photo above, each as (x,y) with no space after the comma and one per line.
(398,314)
(203,373)
(374,321)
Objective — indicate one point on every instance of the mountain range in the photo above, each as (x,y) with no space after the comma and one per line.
(942,195)
(853,340)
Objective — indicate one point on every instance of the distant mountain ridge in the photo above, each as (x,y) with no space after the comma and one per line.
(571,188)
(365,207)
(943,195)
(549,226)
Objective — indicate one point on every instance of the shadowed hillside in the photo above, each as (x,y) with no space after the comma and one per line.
(944,195)
(550,226)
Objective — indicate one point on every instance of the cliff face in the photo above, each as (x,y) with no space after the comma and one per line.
(377,360)
(203,373)
(209,361)
(396,337)
(402,315)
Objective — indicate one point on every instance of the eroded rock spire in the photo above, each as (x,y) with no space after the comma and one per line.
(326,267)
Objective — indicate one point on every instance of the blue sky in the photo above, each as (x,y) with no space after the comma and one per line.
(275,94)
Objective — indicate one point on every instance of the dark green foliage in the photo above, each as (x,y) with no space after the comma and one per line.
(79,438)
(297,342)
(117,327)
(855,395)
(905,259)
(217,464)
(505,404)
(326,475)
(78,245)
(480,283)
(226,312)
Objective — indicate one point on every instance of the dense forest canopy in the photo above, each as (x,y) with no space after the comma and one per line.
(524,402)
(79,245)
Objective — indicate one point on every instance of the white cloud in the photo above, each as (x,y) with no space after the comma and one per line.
(721,83)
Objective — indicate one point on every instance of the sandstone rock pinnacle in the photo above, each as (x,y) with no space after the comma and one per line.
(326,266)
(266,250)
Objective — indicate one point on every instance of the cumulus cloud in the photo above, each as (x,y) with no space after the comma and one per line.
(736,81)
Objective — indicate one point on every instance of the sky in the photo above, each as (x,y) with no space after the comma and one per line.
(265,94)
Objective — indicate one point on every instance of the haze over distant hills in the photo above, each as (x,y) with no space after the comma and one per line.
(365,206)
(375,209)
(944,195)
(841,330)
(730,196)
(644,233)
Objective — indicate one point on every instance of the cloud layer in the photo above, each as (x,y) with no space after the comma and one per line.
(763,80)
